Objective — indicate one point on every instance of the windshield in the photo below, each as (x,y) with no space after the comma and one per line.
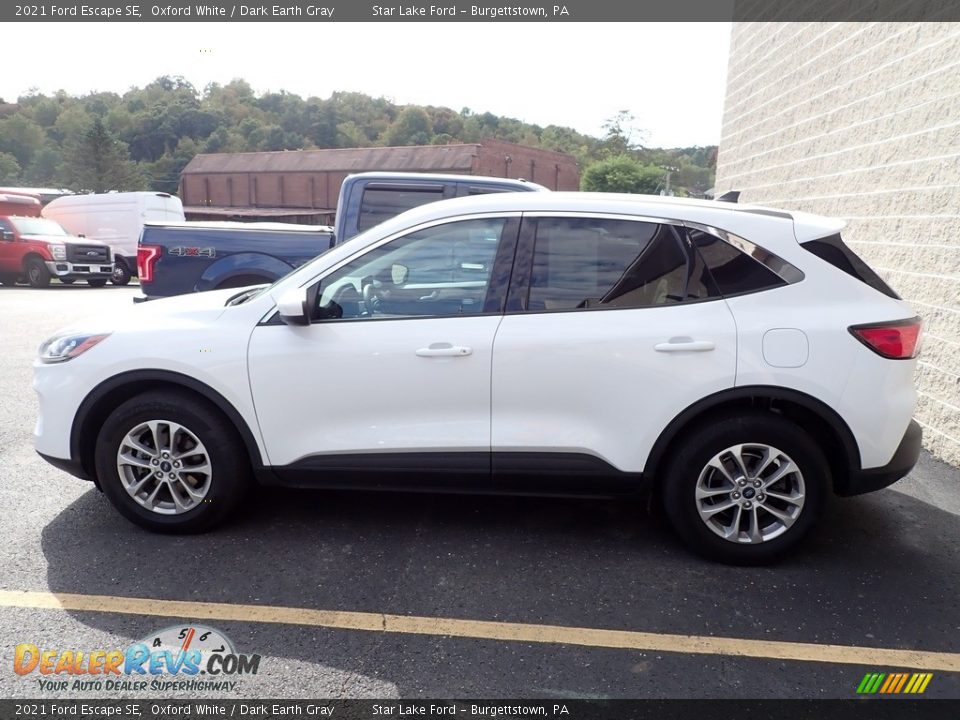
(37,226)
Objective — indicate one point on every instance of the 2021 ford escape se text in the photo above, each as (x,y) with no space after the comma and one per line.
(741,361)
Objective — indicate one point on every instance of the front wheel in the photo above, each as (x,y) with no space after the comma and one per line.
(37,273)
(746,490)
(170,462)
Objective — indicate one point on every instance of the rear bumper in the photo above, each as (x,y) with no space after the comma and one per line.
(905,457)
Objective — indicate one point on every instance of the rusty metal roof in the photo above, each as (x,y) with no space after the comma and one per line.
(253,211)
(413,158)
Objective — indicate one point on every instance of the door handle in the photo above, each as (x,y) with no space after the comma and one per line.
(444,350)
(685,344)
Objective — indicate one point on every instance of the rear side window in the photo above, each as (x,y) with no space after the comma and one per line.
(381,203)
(734,271)
(835,251)
(585,263)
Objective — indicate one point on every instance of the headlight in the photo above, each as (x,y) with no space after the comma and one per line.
(59,252)
(61,348)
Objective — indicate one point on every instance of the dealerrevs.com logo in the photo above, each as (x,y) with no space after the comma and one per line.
(179,658)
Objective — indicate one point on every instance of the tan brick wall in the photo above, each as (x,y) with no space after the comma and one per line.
(862,121)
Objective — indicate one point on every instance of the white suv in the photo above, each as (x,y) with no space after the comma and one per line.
(740,361)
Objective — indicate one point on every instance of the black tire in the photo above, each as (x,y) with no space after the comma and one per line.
(691,457)
(9,279)
(96,282)
(68,280)
(37,274)
(230,477)
(121,274)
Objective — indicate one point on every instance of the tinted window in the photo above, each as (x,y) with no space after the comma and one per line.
(443,270)
(382,203)
(581,263)
(735,272)
(835,251)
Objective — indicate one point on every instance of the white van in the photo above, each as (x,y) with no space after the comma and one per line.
(116,219)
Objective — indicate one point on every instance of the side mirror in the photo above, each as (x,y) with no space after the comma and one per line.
(294,307)
(8,236)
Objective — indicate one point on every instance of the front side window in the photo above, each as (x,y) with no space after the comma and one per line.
(441,271)
(585,263)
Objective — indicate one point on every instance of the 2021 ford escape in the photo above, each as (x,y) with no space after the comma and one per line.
(741,360)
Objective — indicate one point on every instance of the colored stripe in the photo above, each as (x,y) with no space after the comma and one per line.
(862,687)
(913,682)
(926,681)
(487,630)
(891,679)
(876,683)
(903,680)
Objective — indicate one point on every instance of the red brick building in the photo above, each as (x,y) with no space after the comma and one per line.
(303,185)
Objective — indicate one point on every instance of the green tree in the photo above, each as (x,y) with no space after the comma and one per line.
(621,174)
(21,137)
(99,162)
(412,127)
(9,169)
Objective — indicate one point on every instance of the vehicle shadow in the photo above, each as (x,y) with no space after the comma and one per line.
(881,571)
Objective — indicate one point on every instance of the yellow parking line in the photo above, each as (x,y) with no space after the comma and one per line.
(487,630)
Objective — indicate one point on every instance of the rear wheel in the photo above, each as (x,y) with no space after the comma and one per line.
(747,490)
(170,462)
(37,274)
(96,282)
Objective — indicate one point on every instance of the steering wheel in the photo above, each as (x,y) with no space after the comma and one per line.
(372,299)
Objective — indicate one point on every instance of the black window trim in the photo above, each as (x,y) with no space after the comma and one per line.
(786,271)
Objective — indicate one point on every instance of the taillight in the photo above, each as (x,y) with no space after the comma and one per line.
(147,256)
(897,340)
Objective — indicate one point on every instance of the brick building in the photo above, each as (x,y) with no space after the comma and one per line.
(302,185)
(861,121)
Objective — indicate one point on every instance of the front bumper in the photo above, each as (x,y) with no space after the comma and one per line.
(74,467)
(64,269)
(905,457)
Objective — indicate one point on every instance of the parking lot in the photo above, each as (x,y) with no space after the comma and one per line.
(497,597)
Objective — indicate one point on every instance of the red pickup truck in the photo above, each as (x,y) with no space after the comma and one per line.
(39,249)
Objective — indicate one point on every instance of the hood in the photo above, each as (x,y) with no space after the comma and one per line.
(64,240)
(203,307)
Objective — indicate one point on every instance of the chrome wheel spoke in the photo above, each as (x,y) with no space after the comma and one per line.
(717,464)
(753,530)
(711,510)
(792,499)
(737,454)
(135,461)
(706,492)
(733,529)
(134,443)
(780,473)
(784,517)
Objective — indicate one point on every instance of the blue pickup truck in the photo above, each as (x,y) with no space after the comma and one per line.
(174,258)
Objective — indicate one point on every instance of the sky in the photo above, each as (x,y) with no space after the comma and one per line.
(670,76)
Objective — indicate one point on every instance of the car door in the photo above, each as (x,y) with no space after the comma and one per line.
(613,327)
(10,254)
(393,373)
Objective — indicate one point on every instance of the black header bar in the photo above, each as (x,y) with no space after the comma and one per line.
(483,11)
